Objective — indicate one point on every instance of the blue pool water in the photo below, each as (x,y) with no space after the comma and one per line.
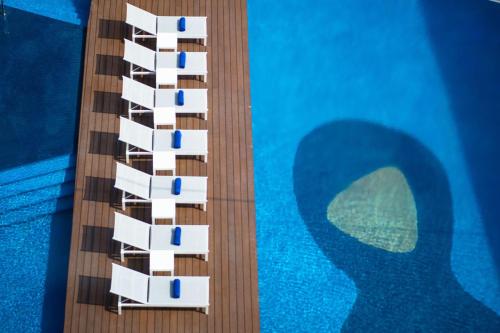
(341,89)
(355,86)
(39,100)
(71,11)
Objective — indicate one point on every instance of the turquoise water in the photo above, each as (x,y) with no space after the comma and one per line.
(340,89)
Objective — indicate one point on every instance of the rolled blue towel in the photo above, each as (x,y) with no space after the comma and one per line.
(180,97)
(182,59)
(177,186)
(177,139)
(177,236)
(182,24)
(176,288)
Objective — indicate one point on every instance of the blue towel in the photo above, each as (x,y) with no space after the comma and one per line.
(177,139)
(180,97)
(177,186)
(176,288)
(177,236)
(182,59)
(182,24)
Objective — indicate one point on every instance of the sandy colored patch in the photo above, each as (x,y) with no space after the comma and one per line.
(379,210)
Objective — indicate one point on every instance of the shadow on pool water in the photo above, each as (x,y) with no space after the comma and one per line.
(39,101)
(464,37)
(54,297)
(40,91)
(82,8)
(396,291)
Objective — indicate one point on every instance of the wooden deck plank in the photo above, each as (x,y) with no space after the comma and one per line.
(232,264)
(71,311)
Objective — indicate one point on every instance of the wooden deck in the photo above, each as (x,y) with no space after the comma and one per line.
(232,264)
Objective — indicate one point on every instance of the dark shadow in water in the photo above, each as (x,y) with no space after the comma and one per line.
(57,266)
(407,292)
(39,88)
(82,8)
(464,36)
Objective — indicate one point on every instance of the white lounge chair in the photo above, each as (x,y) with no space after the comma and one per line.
(164,28)
(163,103)
(141,237)
(165,65)
(141,140)
(140,187)
(135,289)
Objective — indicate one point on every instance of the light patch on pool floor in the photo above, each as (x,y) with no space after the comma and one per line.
(379,210)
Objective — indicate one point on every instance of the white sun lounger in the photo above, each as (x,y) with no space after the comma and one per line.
(141,237)
(135,289)
(141,140)
(196,27)
(164,64)
(163,28)
(140,187)
(163,102)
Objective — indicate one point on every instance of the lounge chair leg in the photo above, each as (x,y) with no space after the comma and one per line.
(206,256)
(204,207)
(119,305)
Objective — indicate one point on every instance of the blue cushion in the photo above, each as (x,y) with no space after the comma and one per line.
(177,139)
(182,24)
(177,236)
(176,288)
(177,186)
(182,59)
(180,97)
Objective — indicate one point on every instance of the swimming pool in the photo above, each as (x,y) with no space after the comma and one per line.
(360,89)
(39,102)
(343,94)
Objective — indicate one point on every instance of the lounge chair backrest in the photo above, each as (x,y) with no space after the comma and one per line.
(130,284)
(139,55)
(138,93)
(131,231)
(133,181)
(136,134)
(141,19)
